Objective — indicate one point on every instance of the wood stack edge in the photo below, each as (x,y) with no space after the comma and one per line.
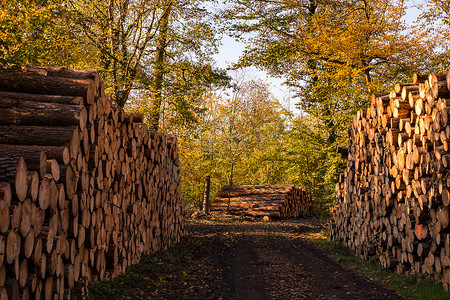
(85,188)
(281,200)
(393,198)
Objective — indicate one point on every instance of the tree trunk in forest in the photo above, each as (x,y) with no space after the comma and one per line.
(206,193)
(158,77)
(231,185)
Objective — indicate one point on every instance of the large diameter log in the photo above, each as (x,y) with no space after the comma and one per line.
(53,167)
(254,198)
(47,85)
(12,247)
(71,100)
(64,72)
(439,89)
(258,187)
(70,177)
(15,170)
(263,213)
(343,151)
(20,179)
(15,112)
(5,192)
(4,217)
(257,190)
(41,136)
(33,185)
(419,78)
(59,153)
(34,156)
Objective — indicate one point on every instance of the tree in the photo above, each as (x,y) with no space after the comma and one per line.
(142,46)
(250,121)
(39,32)
(123,32)
(435,19)
(238,138)
(326,48)
(334,54)
(184,70)
(309,162)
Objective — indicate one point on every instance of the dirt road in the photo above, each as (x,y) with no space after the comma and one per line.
(274,260)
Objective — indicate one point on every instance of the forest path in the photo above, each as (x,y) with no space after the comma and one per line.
(256,260)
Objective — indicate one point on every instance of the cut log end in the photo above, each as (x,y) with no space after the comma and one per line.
(20,181)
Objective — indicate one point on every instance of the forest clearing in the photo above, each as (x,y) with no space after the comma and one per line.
(135,163)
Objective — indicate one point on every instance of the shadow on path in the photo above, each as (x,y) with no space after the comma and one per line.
(274,261)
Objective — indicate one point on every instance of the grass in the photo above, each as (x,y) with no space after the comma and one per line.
(409,286)
(140,282)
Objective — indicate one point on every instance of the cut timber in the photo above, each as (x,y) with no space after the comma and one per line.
(41,136)
(343,152)
(4,217)
(33,185)
(5,192)
(15,171)
(282,200)
(34,156)
(65,72)
(101,202)
(393,198)
(241,190)
(47,85)
(71,100)
(12,247)
(44,114)
(250,197)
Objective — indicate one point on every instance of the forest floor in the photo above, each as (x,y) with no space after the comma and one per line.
(244,260)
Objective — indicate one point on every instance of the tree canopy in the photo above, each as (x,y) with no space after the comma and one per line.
(156,57)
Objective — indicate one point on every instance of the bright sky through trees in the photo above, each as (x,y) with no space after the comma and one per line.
(231,50)
(229,53)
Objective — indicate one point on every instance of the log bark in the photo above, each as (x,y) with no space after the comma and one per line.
(48,114)
(47,85)
(34,155)
(263,200)
(69,100)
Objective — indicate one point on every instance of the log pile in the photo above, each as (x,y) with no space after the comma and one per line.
(393,198)
(85,188)
(281,200)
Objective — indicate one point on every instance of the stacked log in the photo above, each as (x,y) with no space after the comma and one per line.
(281,200)
(85,188)
(393,198)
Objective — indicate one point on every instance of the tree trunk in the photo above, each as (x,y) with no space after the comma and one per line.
(205,207)
(158,77)
(231,186)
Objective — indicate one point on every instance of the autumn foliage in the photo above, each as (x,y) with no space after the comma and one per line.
(157,57)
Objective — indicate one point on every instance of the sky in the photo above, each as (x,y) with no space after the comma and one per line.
(231,50)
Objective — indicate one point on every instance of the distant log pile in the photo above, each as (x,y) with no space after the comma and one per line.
(85,188)
(280,200)
(393,198)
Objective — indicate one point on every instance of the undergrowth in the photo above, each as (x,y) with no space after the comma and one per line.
(408,286)
(138,282)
